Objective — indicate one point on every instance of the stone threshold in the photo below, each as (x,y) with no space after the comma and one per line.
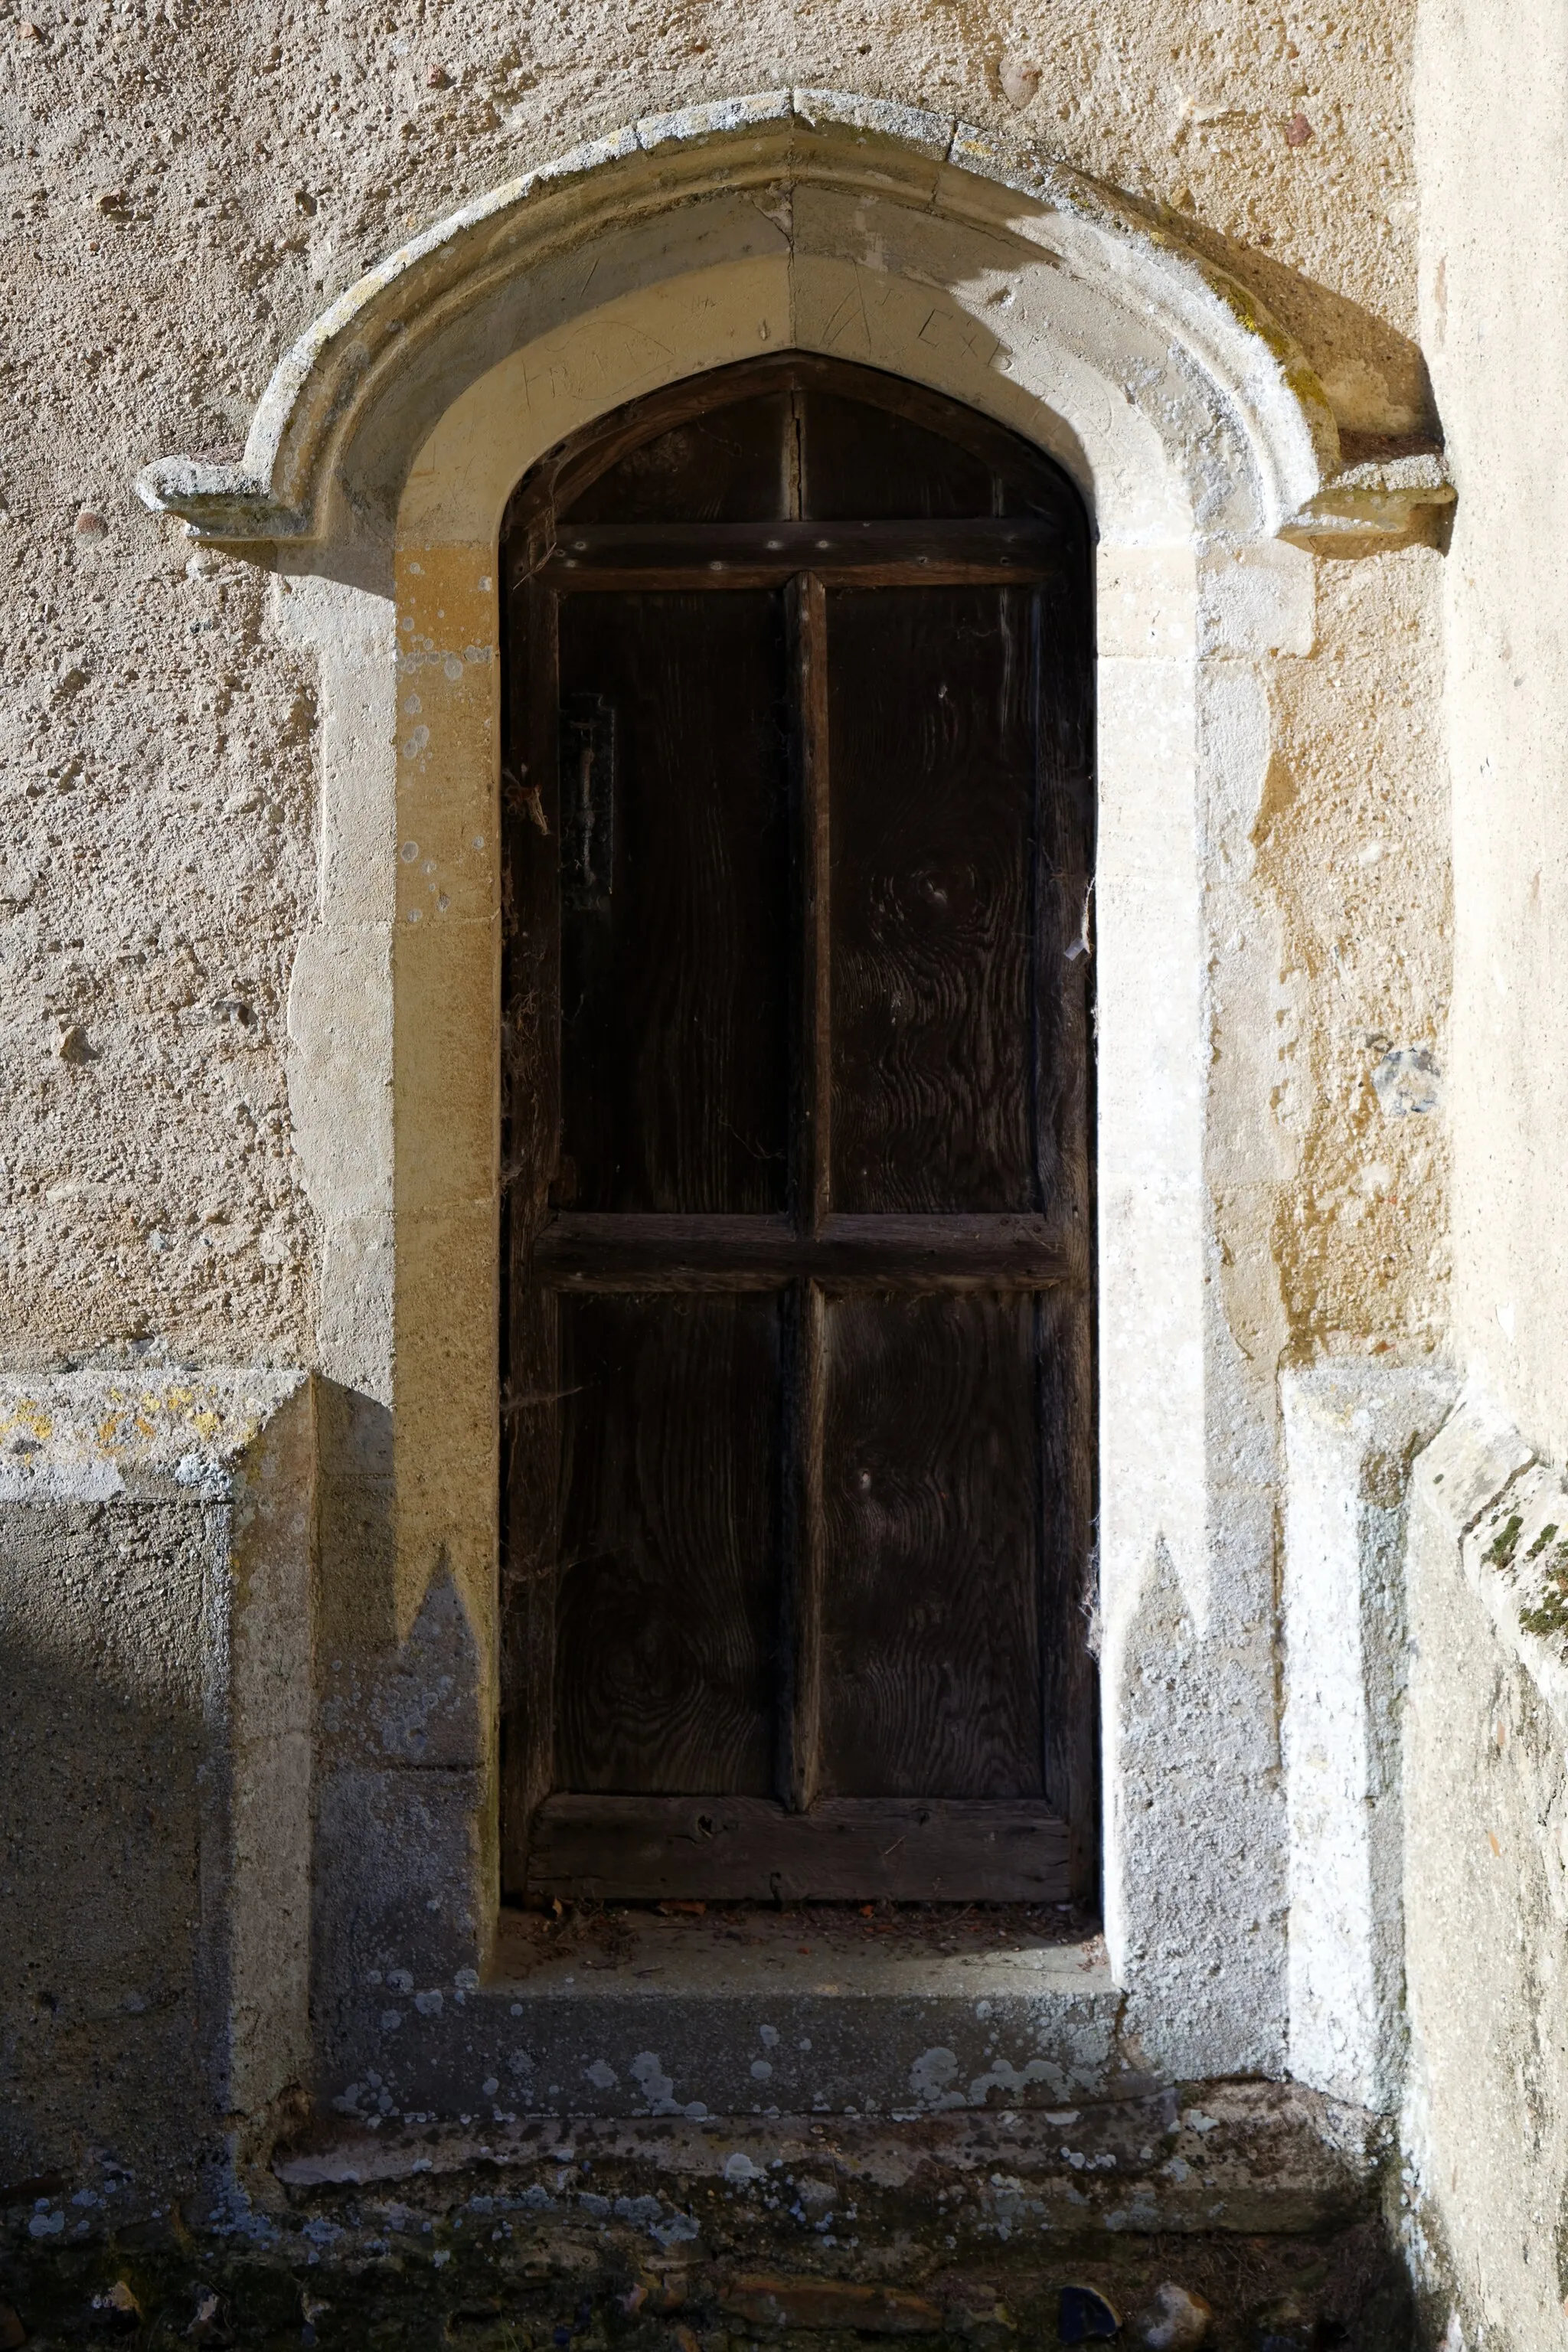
(1248,2157)
(764,2014)
(833,1951)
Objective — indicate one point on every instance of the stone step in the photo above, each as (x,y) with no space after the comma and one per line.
(1240,2157)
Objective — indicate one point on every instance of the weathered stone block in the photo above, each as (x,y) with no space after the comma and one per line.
(155,1610)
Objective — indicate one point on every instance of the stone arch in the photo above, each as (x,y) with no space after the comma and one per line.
(378,467)
(817,175)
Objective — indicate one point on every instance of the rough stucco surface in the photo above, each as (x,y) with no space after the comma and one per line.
(102,1692)
(1487,1731)
(1486,1885)
(1351,833)
(158,791)
(187,191)
(1495,278)
(181,203)
(155,1557)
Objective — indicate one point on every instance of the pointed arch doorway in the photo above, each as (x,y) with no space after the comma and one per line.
(797,1402)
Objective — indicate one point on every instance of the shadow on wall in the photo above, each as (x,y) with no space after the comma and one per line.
(1173,1757)
(165,1770)
(108,1684)
(1375,378)
(401,1742)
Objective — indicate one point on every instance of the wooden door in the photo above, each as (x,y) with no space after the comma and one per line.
(798,1452)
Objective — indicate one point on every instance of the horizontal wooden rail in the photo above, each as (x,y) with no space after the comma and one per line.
(862,554)
(579,1252)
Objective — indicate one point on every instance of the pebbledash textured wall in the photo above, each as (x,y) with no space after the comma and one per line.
(1252,274)
(186,192)
(1487,1764)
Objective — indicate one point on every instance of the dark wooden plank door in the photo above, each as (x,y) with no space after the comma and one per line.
(797,1353)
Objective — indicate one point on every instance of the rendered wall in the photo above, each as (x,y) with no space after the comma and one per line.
(1487,1731)
(186,190)
(1486,1887)
(1495,303)
(186,201)
(156,1624)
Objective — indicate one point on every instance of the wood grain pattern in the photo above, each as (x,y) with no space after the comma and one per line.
(567,483)
(674,1032)
(667,1603)
(867,463)
(800,1693)
(612,555)
(798,1206)
(805,1557)
(930,1586)
(746,1850)
(588,1251)
(813,1023)
(933,977)
(1068,1582)
(725,466)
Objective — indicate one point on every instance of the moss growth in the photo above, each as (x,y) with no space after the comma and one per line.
(1499,1551)
(1549,1616)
